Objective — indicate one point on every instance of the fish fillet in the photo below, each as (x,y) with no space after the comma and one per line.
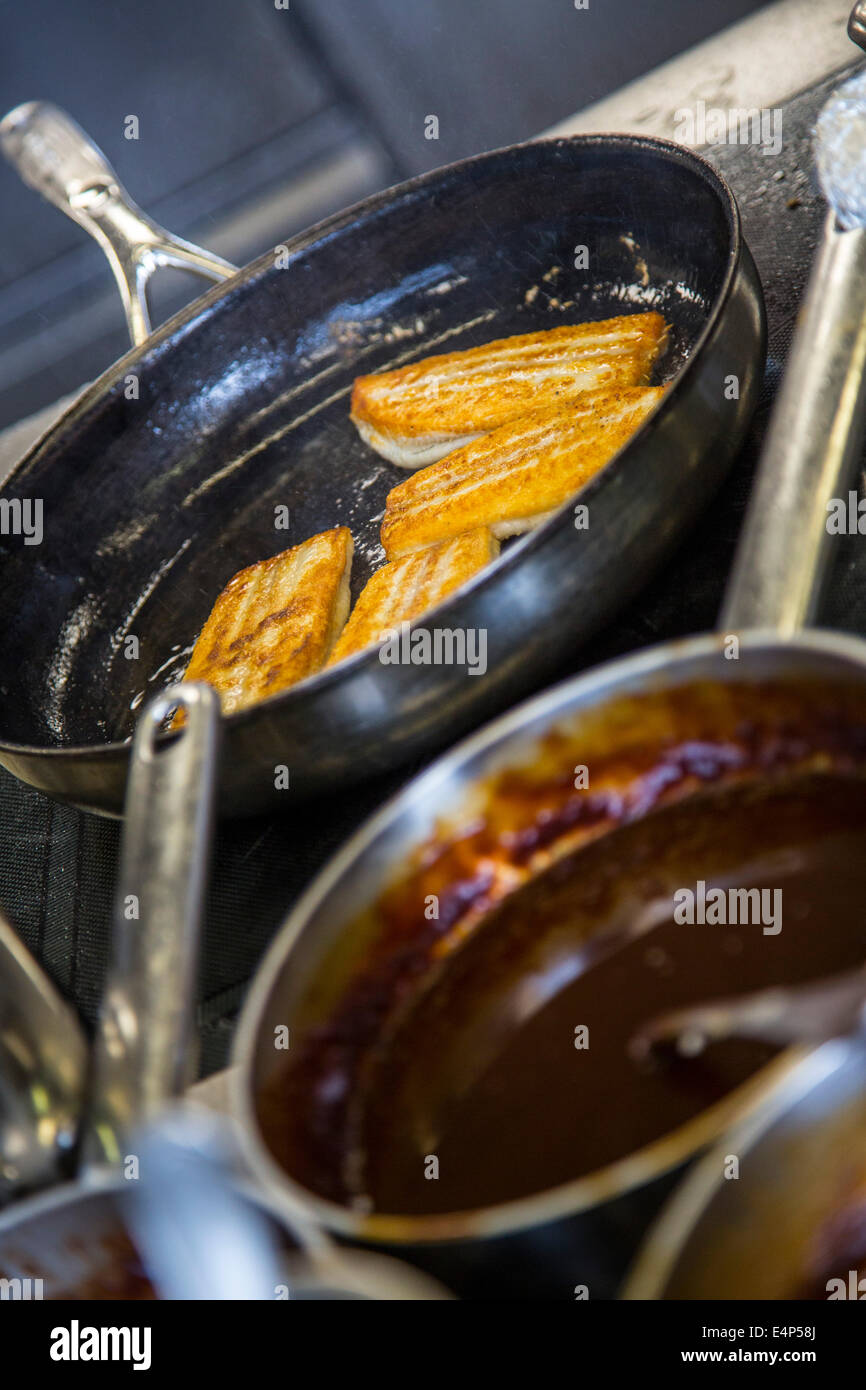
(404,590)
(515,477)
(418,414)
(276,622)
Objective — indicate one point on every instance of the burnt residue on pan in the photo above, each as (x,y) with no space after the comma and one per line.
(723,774)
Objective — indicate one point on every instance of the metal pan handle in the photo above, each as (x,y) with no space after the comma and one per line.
(857,24)
(812,445)
(43,1063)
(144,1053)
(53,155)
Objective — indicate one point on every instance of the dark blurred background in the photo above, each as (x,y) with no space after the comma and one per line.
(255,121)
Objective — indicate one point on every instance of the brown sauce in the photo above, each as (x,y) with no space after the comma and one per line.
(112,1270)
(474,1060)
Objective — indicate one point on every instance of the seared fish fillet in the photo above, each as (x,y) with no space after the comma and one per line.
(401,591)
(419,413)
(275,622)
(513,478)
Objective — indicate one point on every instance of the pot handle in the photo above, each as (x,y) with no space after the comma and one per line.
(144,1053)
(52,154)
(43,1063)
(812,444)
(857,24)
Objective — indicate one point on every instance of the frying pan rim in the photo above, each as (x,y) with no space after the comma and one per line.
(566,1199)
(189,318)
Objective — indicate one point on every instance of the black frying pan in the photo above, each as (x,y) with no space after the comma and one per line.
(152,503)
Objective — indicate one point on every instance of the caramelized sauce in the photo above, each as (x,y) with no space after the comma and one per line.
(468,1056)
(483,1072)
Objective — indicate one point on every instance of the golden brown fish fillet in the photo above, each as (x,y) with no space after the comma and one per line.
(404,590)
(513,478)
(275,622)
(422,412)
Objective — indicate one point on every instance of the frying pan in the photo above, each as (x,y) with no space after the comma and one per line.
(802,1158)
(782,675)
(162,480)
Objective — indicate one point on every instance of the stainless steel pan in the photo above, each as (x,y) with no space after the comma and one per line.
(162,480)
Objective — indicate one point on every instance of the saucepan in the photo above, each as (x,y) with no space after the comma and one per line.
(162,480)
(418,961)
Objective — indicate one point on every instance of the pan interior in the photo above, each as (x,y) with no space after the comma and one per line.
(508,1065)
(512,1068)
(453,1034)
(169,477)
